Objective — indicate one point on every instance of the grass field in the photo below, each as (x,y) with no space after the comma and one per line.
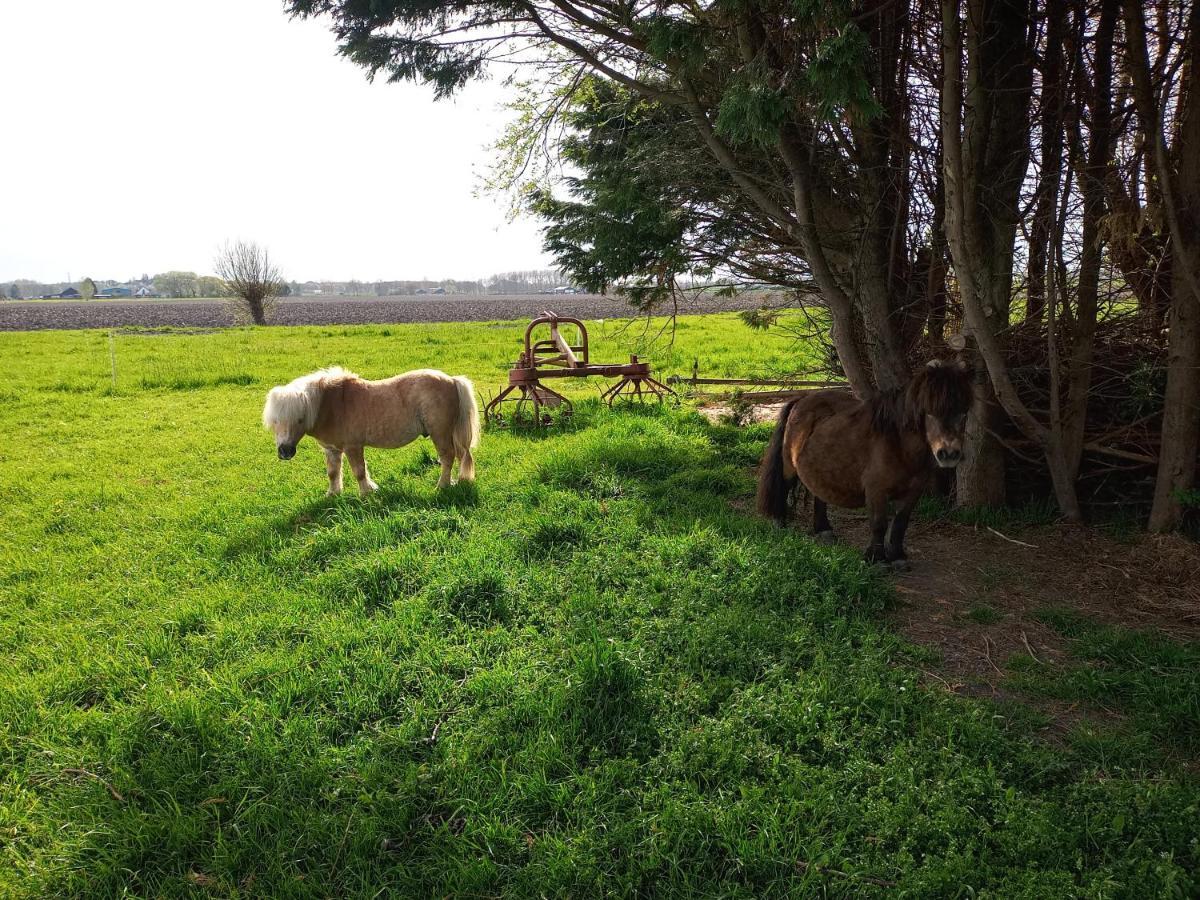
(592,673)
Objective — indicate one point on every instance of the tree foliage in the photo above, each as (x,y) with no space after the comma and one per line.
(619,223)
(913,167)
(177,284)
(210,286)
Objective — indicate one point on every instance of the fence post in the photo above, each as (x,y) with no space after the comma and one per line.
(112,357)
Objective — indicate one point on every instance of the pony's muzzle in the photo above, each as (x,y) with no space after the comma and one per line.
(947,458)
(287,451)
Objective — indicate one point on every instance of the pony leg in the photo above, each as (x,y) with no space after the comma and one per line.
(822,530)
(895,545)
(445,451)
(333,468)
(358,465)
(877,509)
(446,458)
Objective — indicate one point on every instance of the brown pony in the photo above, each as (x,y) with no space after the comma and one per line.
(854,453)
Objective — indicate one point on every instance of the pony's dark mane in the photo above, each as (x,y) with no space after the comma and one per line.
(942,390)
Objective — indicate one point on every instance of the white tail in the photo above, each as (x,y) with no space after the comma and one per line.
(466,429)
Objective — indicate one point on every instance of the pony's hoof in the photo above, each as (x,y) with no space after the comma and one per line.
(828,538)
(369,488)
(901,565)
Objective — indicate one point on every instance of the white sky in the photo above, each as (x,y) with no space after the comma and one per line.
(139,135)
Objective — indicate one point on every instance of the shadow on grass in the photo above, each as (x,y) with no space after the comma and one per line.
(268,540)
(584,416)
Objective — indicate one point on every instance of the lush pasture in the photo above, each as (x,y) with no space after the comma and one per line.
(591,673)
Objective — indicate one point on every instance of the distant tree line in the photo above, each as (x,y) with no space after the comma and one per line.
(188,284)
(180,284)
(165,284)
(530,281)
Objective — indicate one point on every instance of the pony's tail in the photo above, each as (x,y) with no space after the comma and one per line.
(466,428)
(773,488)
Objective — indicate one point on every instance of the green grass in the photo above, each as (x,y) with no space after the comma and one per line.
(80,361)
(1149,682)
(591,673)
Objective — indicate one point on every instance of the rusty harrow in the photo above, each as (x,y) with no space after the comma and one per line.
(527,399)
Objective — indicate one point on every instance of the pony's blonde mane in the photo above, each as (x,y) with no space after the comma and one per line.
(300,399)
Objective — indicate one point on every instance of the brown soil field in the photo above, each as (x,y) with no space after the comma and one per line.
(38,315)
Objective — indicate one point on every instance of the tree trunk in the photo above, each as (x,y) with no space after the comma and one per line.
(845,338)
(1178,172)
(1049,178)
(1142,255)
(979,479)
(1181,414)
(935,273)
(1094,171)
(984,163)
(881,328)
(1181,408)
(257,311)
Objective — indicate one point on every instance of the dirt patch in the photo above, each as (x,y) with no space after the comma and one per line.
(974,594)
(721,413)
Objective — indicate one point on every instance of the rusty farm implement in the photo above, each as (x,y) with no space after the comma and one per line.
(551,354)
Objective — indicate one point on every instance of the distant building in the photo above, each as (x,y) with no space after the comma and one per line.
(68,294)
(120,290)
(144,290)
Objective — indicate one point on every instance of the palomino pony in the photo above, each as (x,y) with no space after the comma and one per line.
(854,453)
(345,413)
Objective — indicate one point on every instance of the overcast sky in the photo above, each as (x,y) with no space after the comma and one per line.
(139,135)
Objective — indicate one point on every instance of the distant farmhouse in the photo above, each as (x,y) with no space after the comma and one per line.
(111,291)
(133,289)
